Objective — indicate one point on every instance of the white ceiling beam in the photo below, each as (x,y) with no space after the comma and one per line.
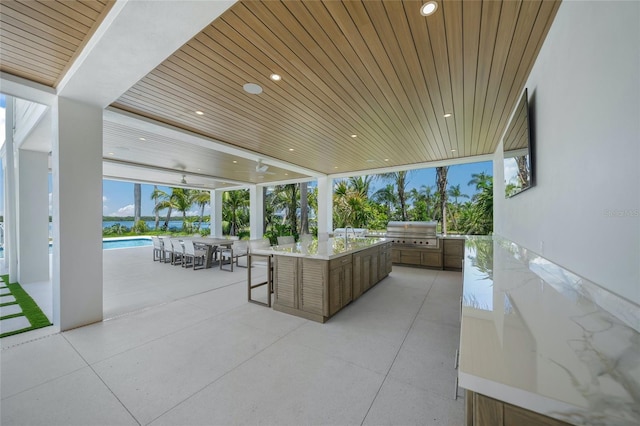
(148,125)
(132,40)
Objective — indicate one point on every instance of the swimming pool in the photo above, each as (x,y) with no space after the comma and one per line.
(113,243)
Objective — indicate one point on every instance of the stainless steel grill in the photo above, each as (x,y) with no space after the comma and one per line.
(413,234)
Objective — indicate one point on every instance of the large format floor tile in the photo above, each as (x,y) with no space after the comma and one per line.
(79,398)
(283,385)
(29,365)
(155,377)
(402,404)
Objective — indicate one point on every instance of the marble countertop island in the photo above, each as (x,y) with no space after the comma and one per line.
(325,250)
(540,337)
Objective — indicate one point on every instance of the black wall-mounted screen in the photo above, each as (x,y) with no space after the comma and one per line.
(518,151)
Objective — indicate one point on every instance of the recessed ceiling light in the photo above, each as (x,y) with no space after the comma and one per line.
(290,149)
(453,150)
(199,169)
(142,139)
(428,8)
(286,174)
(386,159)
(199,112)
(235,162)
(252,88)
(275,77)
(354,136)
(111,153)
(447,115)
(335,167)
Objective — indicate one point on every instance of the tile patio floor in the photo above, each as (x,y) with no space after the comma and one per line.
(184,347)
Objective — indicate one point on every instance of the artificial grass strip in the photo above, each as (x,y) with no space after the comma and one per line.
(30,309)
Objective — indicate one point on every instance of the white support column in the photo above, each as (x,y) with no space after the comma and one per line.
(10,209)
(33,216)
(216,213)
(77,213)
(256,211)
(325,207)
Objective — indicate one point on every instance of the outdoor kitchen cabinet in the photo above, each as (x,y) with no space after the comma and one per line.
(453,253)
(366,270)
(384,261)
(340,283)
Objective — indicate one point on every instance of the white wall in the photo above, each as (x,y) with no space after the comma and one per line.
(33,216)
(584,93)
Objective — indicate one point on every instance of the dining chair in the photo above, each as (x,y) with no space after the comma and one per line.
(177,251)
(193,256)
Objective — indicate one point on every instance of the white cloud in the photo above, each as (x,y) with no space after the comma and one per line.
(104,199)
(123,211)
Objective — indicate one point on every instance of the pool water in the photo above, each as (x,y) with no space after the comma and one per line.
(111,244)
(133,242)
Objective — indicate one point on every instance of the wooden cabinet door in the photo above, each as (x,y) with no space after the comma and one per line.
(373,279)
(366,272)
(346,283)
(286,277)
(313,282)
(356,283)
(335,290)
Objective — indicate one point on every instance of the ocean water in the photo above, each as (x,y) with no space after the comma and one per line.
(109,245)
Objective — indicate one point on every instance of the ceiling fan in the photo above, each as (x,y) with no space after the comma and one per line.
(261,168)
(183,181)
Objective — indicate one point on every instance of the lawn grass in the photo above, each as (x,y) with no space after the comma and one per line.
(29,308)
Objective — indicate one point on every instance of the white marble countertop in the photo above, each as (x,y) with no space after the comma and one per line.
(540,337)
(326,250)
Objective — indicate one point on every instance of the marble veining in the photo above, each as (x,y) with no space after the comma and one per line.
(538,336)
(332,248)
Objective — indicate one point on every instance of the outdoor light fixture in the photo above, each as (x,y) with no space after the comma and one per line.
(428,8)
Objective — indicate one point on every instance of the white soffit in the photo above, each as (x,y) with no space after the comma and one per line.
(134,38)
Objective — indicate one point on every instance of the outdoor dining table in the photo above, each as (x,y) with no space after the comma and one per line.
(211,246)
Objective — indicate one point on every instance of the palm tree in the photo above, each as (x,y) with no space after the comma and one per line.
(234,206)
(360,184)
(455,192)
(401,181)
(201,198)
(479,180)
(155,196)
(304,208)
(182,202)
(387,196)
(286,199)
(137,203)
(163,201)
(441,184)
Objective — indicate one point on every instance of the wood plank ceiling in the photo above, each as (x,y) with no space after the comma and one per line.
(39,40)
(365,84)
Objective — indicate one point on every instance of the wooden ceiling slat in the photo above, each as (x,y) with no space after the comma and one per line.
(486,47)
(471,15)
(366,121)
(345,20)
(438,44)
(17,35)
(452,11)
(259,109)
(369,118)
(318,82)
(27,51)
(302,51)
(505,33)
(30,61)
(47,13)
(534,20)
(41,24)
(27,73)
(418,25)
(393,89)
(74,10)
(404,57)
